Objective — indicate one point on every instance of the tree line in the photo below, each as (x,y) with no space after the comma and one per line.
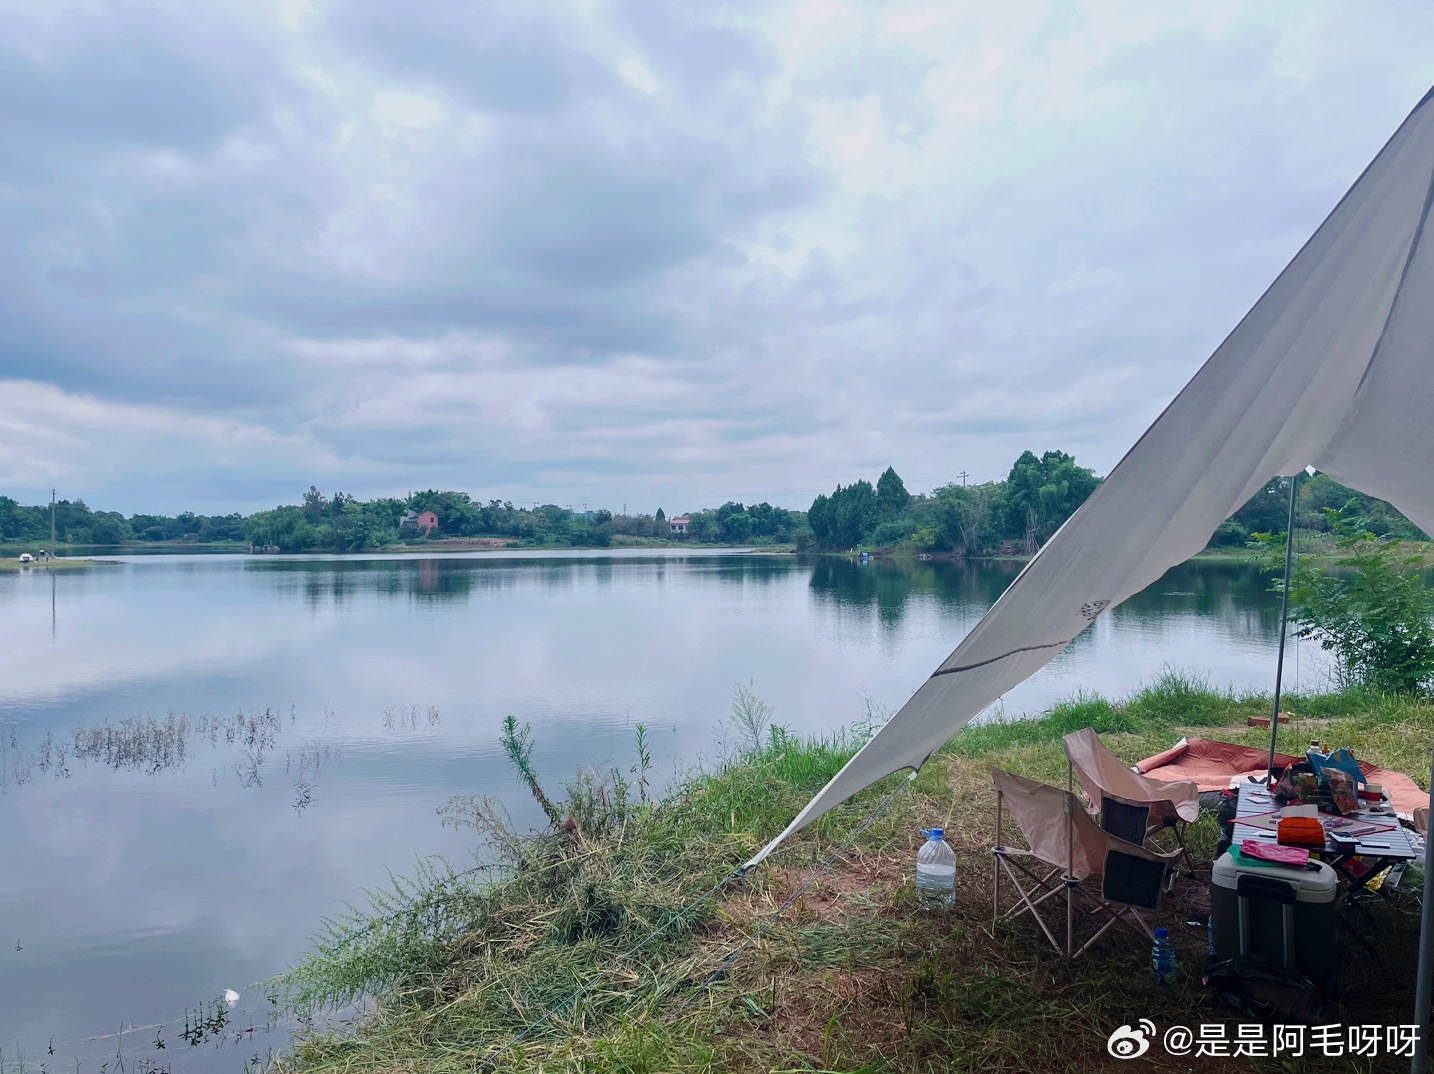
(1016,516)
(75,523)
(1267,511)
(342,523)
(1013,516)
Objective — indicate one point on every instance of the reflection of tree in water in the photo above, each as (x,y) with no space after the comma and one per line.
(1233,593)
(889,585)
(1225,591)
(327,581)
(152,745)
(443,580)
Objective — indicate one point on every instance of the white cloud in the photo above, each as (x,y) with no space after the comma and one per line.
(638,253)
(89,445)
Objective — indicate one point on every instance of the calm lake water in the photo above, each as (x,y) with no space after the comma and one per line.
(200,756)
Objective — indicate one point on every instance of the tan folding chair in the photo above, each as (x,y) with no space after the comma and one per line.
(1131,806)
(1067,853)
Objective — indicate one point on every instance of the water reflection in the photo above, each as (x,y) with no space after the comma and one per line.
(152,860)
(153,745)
(455,579)
(889,586)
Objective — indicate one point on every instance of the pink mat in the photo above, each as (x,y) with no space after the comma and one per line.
(1210,765)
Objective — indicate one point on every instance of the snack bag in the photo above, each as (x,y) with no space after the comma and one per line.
(1299,783)
(1342,792)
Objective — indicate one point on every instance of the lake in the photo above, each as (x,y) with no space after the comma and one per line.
(201,756)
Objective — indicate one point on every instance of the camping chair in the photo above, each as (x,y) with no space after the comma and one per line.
(1131,806)
(1066,852)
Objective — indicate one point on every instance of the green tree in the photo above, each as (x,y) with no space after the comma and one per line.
(314,503)
(960,518)
(1040,494)
(891,494)
(1369,607)
(846,517)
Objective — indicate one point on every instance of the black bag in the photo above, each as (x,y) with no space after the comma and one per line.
(1265,992)
(1225,817)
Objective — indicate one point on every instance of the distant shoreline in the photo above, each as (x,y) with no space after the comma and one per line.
(12,565)
(10,550)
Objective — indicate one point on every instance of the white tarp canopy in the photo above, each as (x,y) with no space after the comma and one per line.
(1334,366)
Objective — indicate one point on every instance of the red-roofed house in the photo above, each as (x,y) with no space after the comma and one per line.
(678,524)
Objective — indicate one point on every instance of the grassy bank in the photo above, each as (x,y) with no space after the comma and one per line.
(592,945)
(14,564)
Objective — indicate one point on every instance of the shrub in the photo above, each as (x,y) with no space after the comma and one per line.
(1370,608)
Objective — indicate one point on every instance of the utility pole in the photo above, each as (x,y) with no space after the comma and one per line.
(963,475)
(52,520)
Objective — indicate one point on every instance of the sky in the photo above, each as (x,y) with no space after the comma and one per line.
(644,254)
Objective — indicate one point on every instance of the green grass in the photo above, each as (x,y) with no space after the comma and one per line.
(14,564)
(851,978)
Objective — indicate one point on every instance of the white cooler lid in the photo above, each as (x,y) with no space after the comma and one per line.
(1313,885)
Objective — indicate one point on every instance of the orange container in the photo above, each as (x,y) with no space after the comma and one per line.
(1300,832)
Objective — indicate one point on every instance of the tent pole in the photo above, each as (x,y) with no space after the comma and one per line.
(1284,624)
(1424,980)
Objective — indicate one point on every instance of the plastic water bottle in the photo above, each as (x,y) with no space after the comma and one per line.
(1162,958)
(935,871)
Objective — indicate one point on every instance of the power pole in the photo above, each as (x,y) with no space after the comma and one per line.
(963,475)
(52,520)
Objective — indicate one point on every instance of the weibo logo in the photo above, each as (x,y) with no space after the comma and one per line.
(1128,1043)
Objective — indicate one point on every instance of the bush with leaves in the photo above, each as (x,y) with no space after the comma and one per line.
(1368,606)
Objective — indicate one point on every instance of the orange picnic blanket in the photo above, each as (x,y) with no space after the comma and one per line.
(1211,765)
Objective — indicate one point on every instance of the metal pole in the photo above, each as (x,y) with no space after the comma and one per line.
(1424,979)
(1068,879)
(1284,623)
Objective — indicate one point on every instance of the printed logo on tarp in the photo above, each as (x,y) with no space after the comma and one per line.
(1218,1040)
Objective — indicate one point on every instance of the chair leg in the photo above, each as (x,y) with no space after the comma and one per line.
(1024,898)
(1184,858)
(995,890)
(996,872)
(1097,935)
(1070,917)
(1070,806)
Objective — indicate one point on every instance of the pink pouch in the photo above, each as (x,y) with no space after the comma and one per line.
(1271,852)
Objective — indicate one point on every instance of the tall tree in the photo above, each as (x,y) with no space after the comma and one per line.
(314,503)
(891,494)
(1042,493)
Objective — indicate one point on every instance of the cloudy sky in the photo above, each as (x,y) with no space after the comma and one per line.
(643,253)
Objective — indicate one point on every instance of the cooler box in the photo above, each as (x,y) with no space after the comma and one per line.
(1291,914)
